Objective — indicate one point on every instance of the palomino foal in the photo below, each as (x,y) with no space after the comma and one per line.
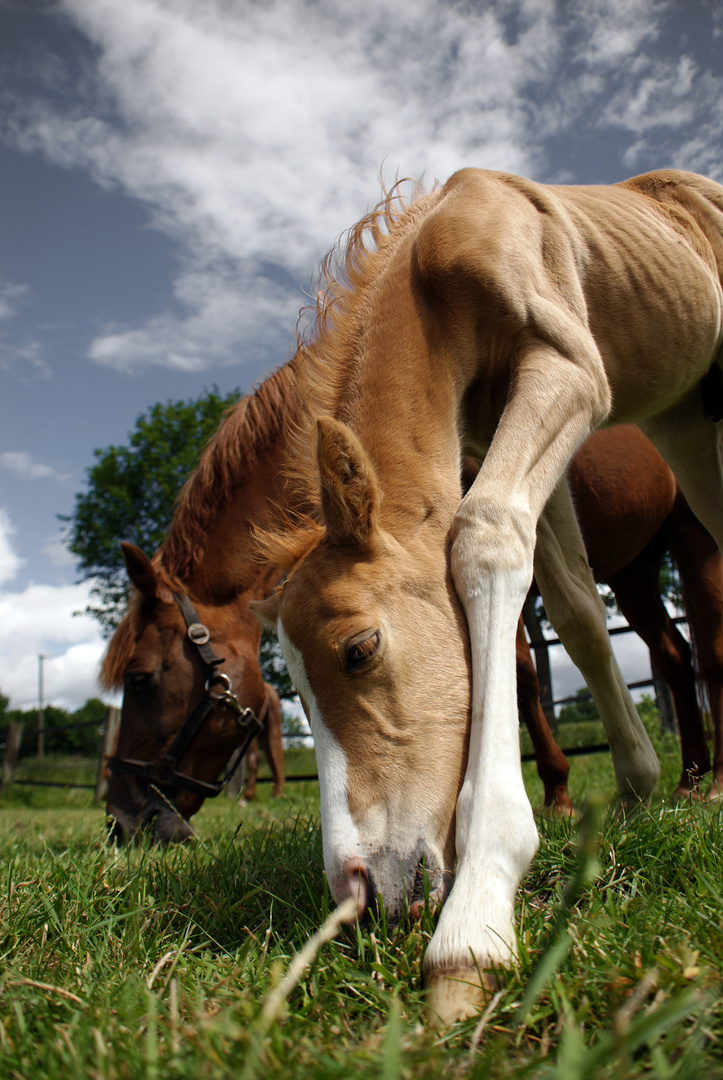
(515,317)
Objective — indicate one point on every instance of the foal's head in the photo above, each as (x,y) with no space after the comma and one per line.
(376,643)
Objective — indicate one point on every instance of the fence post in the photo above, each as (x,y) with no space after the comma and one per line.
(12,751)
(112,723)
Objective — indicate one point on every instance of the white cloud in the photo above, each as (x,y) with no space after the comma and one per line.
(21,463)
(39,620)
(10,297)
(18,349)
(57,554)
(10,561)
(255,132)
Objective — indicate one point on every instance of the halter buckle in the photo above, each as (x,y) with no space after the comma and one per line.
(198,633)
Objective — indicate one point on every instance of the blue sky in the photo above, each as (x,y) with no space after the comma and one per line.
(171,173)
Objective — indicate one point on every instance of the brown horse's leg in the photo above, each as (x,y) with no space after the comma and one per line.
(552,765)
(271,741)
(701,570)
(252,769)
(637,591)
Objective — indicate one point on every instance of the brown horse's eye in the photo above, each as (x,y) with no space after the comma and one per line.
(141,683)
(361,649)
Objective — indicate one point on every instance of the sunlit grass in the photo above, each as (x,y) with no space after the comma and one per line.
(151,963)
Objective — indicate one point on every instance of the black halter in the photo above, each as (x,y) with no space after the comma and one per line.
(218,689)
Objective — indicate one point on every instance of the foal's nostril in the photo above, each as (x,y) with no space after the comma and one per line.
(356,884)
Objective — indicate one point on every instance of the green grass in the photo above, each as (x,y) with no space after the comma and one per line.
(148,963)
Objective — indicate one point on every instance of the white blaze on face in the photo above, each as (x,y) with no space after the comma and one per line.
(340,835)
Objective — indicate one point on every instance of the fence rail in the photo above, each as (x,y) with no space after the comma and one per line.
(10,738)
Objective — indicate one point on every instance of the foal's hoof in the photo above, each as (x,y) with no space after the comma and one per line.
(683,794)
(456,993)
(627,806)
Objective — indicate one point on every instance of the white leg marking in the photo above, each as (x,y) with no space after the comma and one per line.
(496,832)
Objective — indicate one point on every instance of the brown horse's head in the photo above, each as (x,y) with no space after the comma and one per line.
(376,642)
(164,678)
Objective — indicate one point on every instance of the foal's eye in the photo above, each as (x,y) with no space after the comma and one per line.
(361,649)
(140,682)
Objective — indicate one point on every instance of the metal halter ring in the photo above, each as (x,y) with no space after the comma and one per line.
(219,677)
(198,633)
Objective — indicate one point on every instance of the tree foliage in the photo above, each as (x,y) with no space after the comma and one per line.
(582,710)
(273,666)
(131,493)
(61,735)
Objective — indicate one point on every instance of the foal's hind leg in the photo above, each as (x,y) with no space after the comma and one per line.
(577,613)
(637,591)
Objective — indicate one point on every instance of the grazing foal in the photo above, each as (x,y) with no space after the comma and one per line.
(516,317)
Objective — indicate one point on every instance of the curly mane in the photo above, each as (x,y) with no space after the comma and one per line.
(325,368)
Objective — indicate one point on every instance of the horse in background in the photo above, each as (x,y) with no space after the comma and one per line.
(207,561)
(631,511)
(271,744)
(514,317)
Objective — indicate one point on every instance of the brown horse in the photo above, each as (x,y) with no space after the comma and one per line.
(208,559)
(271,744)
(631,511)
(516,317)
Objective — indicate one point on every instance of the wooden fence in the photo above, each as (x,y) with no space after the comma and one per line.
(11,740)
(11,737)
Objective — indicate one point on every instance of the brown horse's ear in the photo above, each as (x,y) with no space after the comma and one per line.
(350,494)
(141,571)
(267,611)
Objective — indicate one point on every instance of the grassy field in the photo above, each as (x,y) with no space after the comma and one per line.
(165,964)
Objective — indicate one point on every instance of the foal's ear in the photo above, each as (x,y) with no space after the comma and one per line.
(267,611)
(350,494)
(141,571)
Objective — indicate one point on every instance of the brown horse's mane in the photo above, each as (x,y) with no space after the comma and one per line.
(325,370)
(231,455)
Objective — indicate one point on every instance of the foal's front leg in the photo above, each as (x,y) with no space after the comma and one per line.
(491,561)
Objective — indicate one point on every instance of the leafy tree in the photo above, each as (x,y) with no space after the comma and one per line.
(131,493)
(273,666)
(579,711)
